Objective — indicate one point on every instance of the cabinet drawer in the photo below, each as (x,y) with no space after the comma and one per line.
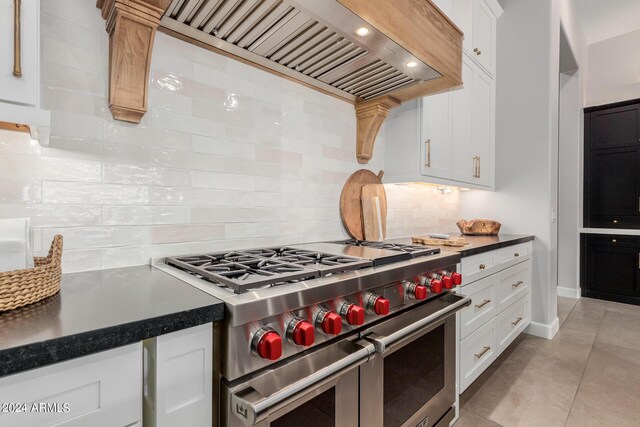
(483,305)
(512,254)
(476,267)
(511,322)
(101,390)
(477,352)
(513,283)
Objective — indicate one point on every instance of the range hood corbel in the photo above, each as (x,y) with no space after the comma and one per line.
(370,116)
(131,25)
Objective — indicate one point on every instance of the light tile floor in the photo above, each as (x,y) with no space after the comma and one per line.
(587,375)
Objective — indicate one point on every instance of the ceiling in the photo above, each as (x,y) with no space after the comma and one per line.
(604,19)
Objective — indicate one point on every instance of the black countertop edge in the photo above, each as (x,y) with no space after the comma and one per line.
(35,355)
(493,246)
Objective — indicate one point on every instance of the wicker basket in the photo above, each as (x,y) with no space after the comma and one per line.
(23,287)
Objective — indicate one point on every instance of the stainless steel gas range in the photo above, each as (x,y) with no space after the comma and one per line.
(332,334)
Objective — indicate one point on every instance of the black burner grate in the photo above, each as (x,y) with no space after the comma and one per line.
(255,268)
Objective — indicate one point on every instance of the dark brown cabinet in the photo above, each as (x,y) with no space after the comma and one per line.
(612,166)
(610,267)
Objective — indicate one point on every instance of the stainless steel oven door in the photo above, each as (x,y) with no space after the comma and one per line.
(318,389)
(413,383)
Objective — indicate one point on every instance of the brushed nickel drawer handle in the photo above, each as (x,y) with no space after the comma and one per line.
(517,254)
(484,350)
(515,322)
(518,283)
(483,303)
(428,144)
(17,61)
(482,266)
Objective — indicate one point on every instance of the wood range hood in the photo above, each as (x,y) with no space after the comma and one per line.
(410,48)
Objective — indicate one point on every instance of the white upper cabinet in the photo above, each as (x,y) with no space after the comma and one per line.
(20,67)
(19,89)
(477,20)
(449,138)
(435,136)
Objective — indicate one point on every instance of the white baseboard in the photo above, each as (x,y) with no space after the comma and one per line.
(543,330)
(568,292)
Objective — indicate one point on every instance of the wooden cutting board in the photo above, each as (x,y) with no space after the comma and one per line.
(351,201)
(430,241)
(374,212)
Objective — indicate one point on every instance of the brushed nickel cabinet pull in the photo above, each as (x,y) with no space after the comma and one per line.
(481,266)
(483,303)
(515,322)
(518,283)
(484,350)
(479,52)
(476,50)
(428,144)
(17,66)
(517,254)
(478,164)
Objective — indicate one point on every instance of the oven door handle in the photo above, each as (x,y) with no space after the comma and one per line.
(252,408)
(382,342)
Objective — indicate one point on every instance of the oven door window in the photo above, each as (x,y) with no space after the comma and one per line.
(317,412)
(413,375)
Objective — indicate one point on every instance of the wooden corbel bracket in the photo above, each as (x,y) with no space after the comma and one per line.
(131,25)
(370,116)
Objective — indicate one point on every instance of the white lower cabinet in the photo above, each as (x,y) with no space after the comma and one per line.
(477,352)
(178,377)
(499,285)
(99,390)
(512,321)
(164,382)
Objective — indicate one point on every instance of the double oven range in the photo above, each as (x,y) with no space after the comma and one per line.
(332,334)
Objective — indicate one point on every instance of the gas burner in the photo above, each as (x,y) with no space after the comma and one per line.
(256,268)
(414,250)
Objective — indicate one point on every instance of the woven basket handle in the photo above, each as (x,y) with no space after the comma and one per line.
(55,253)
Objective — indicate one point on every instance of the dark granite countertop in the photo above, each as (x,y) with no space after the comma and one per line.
(478,244)
(99,310)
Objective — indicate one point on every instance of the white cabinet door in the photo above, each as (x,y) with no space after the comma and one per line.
(435,132)
(24,89)
(99,390)
(482,126)
(463,153)
(484,23)
(178,378)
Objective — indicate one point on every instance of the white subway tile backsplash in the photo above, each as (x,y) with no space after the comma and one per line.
(144,175)
(93,194)
(98,237)
(53,215)
(20,191)
(227,156)
(34,167)
(229,181)
(141,215)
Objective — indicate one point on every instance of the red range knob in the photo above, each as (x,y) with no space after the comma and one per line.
(303,333)
(457,279)
(381,306)
(355,315)
(436,286)
(447,282)
(270,346)
(420,292)
(330,323)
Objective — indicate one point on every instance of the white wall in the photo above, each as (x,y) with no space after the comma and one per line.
(527,139)
(227,156)
(569,180)
(613,70)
